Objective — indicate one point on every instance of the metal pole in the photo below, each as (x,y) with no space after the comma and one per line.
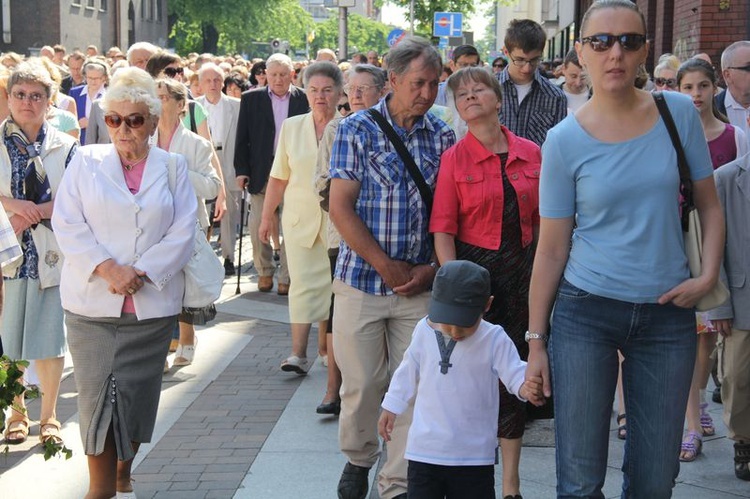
(343,34)
(243,202)
(411,18)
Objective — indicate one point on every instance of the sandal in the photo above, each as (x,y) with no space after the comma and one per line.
(21,426)
(622,429)
(707,423)
(49,429)
(691,447)
(294,364)
(185,354)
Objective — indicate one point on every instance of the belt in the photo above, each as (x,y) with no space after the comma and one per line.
(218,148)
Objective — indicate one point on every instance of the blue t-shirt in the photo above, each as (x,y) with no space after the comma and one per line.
(628,241)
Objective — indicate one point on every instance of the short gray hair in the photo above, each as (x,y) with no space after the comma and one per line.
(282,59)
(150,47)
(728,54)
(133,85)
(378,75)
(32,72)
(326,69)
(210,66)
(410,49)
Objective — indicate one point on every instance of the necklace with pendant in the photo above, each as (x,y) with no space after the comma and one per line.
(129,165)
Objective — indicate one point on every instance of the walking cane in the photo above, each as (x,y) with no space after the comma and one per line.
(242,229)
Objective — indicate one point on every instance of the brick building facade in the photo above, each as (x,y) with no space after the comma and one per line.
(28,25)
(688,27)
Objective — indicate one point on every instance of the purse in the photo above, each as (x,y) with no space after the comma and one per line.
(691,224)
(204,273)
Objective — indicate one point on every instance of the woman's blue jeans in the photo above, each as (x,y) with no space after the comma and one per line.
(658,343)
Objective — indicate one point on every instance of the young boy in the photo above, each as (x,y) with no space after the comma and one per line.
(452,366)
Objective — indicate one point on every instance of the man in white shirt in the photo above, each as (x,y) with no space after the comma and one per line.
(574,85)
(223,112)
(735,100)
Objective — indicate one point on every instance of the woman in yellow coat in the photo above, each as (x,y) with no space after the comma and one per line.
(302,221)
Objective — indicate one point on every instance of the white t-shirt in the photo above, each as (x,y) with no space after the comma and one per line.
(455,414)
(738,115)
(216,120)
(575,101)
(523,91)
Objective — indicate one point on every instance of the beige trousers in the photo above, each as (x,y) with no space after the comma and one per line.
(370,336)
(262,252)
(734,371)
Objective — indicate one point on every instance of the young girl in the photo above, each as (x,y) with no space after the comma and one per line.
(697,79)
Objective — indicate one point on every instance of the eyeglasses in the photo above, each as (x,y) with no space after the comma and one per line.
(114,120)
(670,82)
(601,42)
(499,65)
(260,72)
(345,106)
(353,89)
(172,72)
(746,68)
(33,97)
(522,62)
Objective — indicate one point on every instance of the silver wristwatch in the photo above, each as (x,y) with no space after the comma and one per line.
(536,336)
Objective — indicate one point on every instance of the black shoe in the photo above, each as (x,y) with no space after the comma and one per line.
(741,460)
(329,408)
(353,483)
(716,396)
(228,267)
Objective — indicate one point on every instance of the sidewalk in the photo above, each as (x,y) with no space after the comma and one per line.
(233,425)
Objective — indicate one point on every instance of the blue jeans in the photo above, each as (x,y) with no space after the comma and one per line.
(658,343)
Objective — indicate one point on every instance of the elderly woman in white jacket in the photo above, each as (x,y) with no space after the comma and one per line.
(171,135)
(126,234)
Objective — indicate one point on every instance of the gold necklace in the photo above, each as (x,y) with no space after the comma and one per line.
(129,166)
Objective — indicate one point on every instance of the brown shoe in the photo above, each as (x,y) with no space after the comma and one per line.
(282,289)
(265,283)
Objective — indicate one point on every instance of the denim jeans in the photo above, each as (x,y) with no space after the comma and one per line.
(433,481)
(658,343)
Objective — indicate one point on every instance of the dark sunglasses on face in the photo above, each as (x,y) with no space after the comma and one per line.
(260,72)
(498,65)
(602,42)
(670,82)
(346,107)
(172,72)
(114,120)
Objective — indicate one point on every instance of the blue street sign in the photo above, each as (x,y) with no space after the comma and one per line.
(395,36)
(443,43)
(447,24)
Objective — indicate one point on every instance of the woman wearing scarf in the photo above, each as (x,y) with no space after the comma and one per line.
(33,157)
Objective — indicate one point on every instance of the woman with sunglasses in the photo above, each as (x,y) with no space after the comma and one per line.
(611,259)
(665,73)
(125,220)
(33,157)
(258,75)
(697,78)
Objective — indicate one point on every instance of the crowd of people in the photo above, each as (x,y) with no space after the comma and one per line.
(475,241)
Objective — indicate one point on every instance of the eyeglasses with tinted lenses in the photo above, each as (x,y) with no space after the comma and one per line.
(346,107)
(114,120)
(353,89)
(602,42)
(670,82)
(498,65)
(33,97)
(172,72)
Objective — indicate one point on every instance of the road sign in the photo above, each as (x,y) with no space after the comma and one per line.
(447,24)
(395,36)
(443,43)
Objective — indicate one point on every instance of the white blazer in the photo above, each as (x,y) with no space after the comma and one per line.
(97,218)
(228,141)
(198,152)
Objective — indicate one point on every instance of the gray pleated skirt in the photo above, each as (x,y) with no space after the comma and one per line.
(118,371)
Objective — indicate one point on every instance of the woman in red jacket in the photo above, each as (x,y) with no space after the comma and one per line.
(486,210)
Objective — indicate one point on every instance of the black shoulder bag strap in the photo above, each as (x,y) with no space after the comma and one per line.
(686,182)
(406,157)
(191,110)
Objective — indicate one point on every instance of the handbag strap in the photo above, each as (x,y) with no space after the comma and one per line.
(686,182)
(172,172)
(406,157)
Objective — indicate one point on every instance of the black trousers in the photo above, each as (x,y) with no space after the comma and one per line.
(433,481)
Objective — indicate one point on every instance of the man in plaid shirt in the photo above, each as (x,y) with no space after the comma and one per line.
(385,265)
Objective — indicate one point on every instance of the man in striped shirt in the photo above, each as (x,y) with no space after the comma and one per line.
(385,265)
(531,104)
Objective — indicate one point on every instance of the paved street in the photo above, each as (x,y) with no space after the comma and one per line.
(233,425)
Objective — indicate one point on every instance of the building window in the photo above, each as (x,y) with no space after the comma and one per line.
(75,3)
(103,5)
(91,4)
(143,9)
(159,12)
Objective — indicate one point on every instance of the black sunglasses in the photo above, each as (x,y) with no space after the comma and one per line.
(602,42)
(172,72)
(498,65)
(346,107)
(114,120)
(670,82)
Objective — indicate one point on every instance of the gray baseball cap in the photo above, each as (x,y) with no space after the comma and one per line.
(459,293)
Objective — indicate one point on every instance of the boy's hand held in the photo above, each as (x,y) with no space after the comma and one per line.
(385,424)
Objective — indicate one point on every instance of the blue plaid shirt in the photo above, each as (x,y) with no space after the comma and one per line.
(389,202)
